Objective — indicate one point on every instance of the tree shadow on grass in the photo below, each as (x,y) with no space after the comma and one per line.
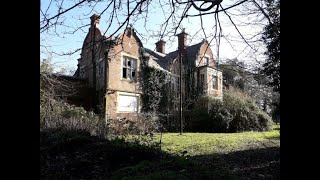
(77,155)
(74,154)
(275,137)
(248,164)
(276,128)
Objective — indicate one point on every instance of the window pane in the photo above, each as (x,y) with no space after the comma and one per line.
(124,62)
(214,82)
(133,74)
(133,64)
(129,62)
(178,84)
(100,68)
(124,72)
(129,74)
(202,79)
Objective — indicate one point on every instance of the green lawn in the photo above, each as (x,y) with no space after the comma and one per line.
(247,155)
(193,144)
(77,155)
(209,143)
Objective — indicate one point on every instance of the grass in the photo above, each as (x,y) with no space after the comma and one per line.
(247,155)
(192,144)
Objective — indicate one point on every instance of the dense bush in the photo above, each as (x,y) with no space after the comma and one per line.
(236,113)
(198,119)
(74,154)
(56,113)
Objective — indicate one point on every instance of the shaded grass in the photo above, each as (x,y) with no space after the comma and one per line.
(74,154)
(77,155)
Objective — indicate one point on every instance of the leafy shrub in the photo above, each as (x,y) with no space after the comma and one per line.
(219,116)
(236,113)
(198,118)
(247,116)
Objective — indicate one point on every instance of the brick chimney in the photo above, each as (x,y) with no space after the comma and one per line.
(160,46)
(182,40)
(95,20)
(129,31)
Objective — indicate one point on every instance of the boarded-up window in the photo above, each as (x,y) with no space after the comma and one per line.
(128,103)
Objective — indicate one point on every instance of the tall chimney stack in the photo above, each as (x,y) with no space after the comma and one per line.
(160,46)
(95,20)
(182,40)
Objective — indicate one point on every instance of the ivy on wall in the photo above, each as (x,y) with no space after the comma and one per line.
(155,87)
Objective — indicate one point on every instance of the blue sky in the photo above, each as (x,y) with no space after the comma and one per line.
(231,44)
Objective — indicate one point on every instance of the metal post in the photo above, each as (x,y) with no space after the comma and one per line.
(181,127)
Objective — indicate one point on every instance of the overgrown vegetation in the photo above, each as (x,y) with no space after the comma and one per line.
(236,113)
(271,37)
(55,112)
(145,123)
(61,115)
(255,85)
(154,83)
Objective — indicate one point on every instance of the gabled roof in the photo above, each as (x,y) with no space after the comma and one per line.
(192,51)
(159,58)
(164,60)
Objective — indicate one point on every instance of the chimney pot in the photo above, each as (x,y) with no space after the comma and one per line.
(95,19)
(182,40)
(160,46)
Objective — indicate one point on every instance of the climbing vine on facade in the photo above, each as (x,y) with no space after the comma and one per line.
(155,87)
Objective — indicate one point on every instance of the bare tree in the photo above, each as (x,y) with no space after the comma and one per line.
(235,23)
(67,19)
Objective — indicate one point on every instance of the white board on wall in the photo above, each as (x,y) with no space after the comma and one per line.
(128,103)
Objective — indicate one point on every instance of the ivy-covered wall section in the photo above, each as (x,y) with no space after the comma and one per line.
(155,96)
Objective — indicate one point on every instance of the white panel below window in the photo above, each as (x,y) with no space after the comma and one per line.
(128,103)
